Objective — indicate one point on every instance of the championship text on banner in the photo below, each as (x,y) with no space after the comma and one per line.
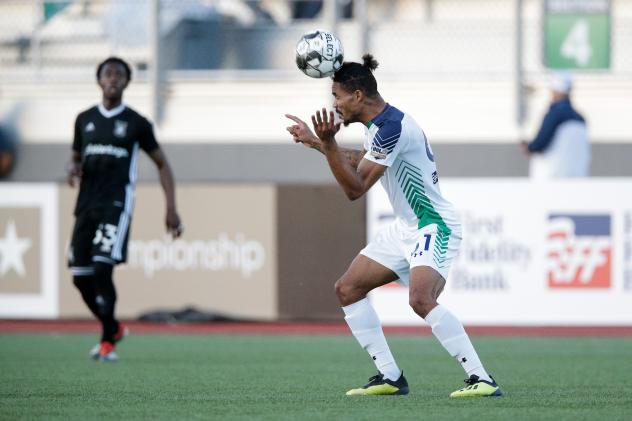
(223,264)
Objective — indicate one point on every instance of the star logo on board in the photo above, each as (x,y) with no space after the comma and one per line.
(12,249)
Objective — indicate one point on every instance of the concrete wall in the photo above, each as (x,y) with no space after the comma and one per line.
(291,164)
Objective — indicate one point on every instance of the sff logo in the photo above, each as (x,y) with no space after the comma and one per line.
(579,251)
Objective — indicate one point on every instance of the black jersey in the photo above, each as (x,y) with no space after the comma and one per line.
(108,142)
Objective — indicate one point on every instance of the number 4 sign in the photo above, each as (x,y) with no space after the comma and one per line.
(577,34)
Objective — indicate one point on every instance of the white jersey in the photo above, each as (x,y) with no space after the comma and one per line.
(568,154)
(411,181)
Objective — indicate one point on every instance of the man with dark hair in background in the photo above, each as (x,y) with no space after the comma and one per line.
(417,248)
(104,158)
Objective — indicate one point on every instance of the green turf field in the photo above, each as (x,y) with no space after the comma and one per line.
(304,378)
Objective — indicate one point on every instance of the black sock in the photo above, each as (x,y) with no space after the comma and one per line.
(106,300)
(87,287)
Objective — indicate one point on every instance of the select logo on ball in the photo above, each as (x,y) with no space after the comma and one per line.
(319,54)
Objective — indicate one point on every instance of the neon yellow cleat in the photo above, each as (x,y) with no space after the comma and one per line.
(378,385)
(477,388)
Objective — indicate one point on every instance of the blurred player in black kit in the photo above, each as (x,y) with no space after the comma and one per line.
(104,158)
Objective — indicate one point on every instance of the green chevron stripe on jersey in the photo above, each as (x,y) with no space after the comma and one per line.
(410,179)
(441,245)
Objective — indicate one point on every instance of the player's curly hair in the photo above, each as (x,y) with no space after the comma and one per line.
(355,76)
(117,60)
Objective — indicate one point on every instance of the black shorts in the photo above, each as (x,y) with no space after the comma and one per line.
(99,235)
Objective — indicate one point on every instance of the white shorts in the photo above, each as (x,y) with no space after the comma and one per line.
(400,248)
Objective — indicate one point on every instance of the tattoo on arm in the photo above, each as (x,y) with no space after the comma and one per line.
(318,148)
(353,156)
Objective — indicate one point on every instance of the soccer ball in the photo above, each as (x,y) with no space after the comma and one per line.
(319,54)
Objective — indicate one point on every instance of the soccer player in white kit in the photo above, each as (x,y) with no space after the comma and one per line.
(416,249)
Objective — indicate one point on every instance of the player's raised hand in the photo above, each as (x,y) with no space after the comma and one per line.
(301,133)
(325,126)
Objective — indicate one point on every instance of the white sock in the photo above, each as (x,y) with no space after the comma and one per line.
(449,331)
(367,329)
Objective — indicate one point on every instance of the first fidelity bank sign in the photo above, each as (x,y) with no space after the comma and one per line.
(552,246)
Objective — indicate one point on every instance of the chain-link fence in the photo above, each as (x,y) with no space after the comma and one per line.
(417,39)
(488,58)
